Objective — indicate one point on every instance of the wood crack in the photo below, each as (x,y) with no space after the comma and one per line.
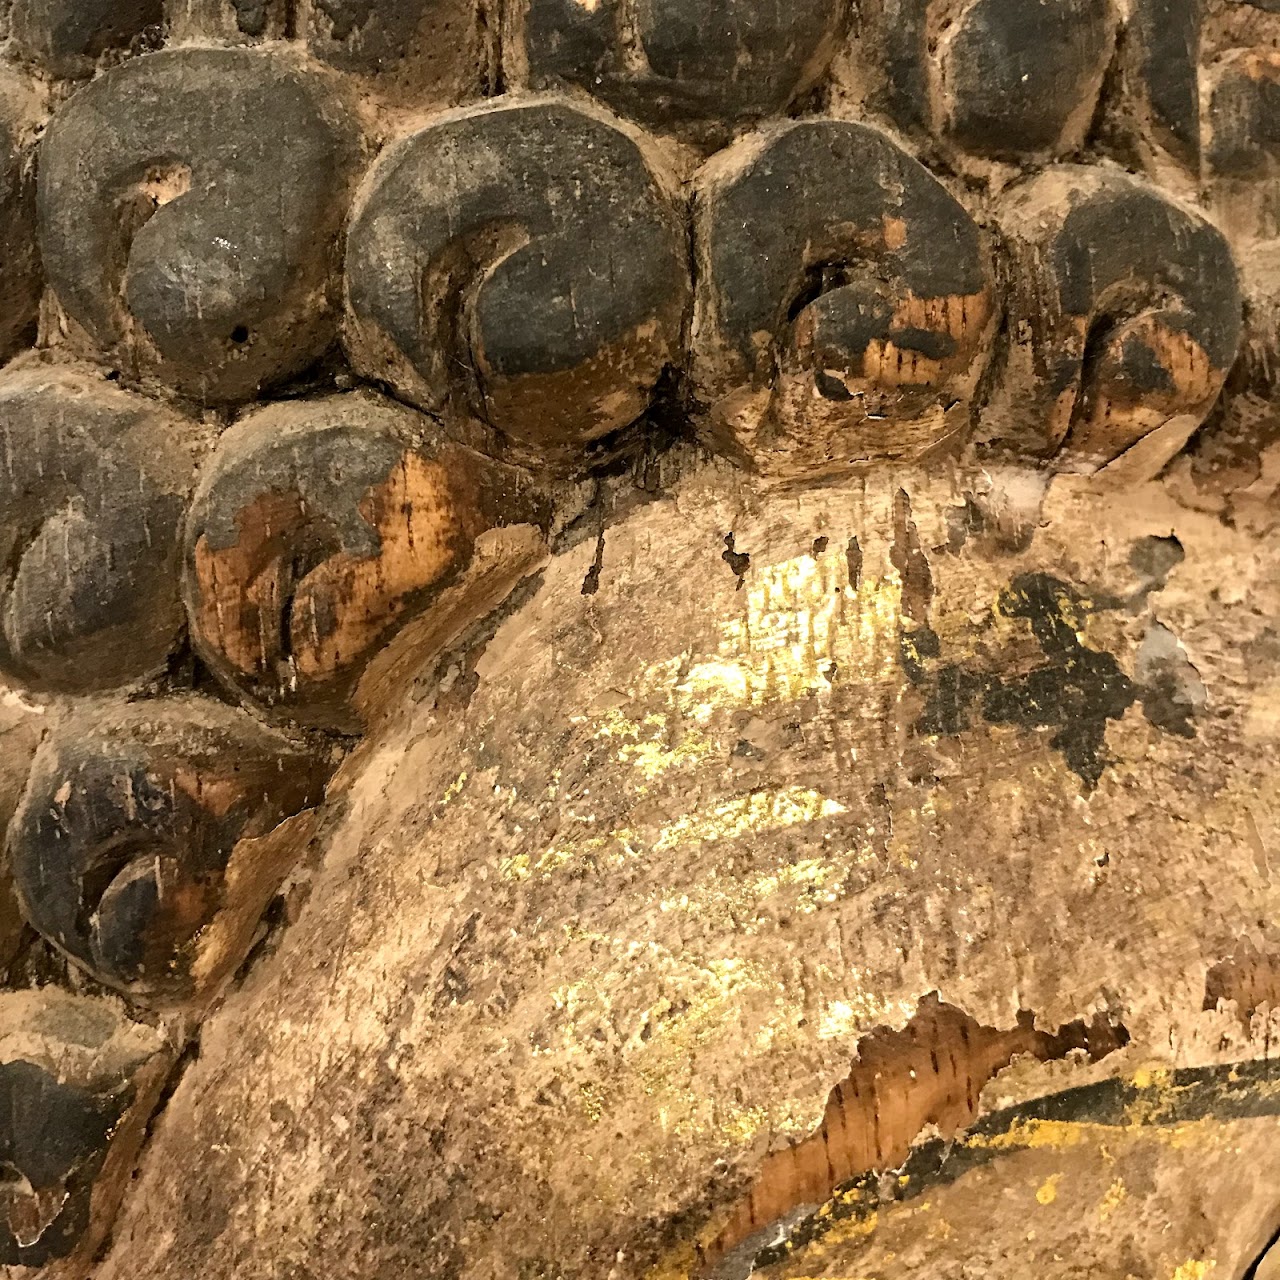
(928,1076)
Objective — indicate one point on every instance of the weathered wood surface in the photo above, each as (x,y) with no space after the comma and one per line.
(1125,311)
(93,489)
(70,38)
(161,195)
(540,291)
(995,79)
(21,727)
(78,1081)
(833,329)
(694,71)
(788,489)
(126,848)
(589,943)
(320,529)
(22,279)
(406,53)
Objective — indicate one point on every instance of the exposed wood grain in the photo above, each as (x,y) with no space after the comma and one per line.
(319,530)
(78,1080)
(540,294)
(605,922)
(846,302)
(798,648)
(1126,315)
(123,848)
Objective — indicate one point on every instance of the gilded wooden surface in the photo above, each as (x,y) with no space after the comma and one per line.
(639,639)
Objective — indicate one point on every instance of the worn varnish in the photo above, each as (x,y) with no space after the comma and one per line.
(616,916)
(190,205)
(540,293)
(78,1080)
(695,70)
(928,1075)
(846,302)
(68,38)
(642,635)
(94,482)
(124,847)
(996,80)
(1126,315)
(321,528)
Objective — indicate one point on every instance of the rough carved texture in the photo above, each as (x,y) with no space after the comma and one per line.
(21,727)
(21,278)
(68,37)
(1125,316)
(539,288)
(676,65)
(190,203)
(77,1082)
(124,848)
(859,868)
(928,1075)
(418,52)
(1248,981)
(846,300)
(1161,65)
(321,528)
(94,482)
(997,79)
(589,948)
(1244,138)
(233,21)
(410,53)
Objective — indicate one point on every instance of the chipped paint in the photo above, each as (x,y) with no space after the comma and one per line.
(693,1074)
(761,811)
(755,813)
(1194,1269)
(799,617)
(647,743)
(1115,1197)
(454,789)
